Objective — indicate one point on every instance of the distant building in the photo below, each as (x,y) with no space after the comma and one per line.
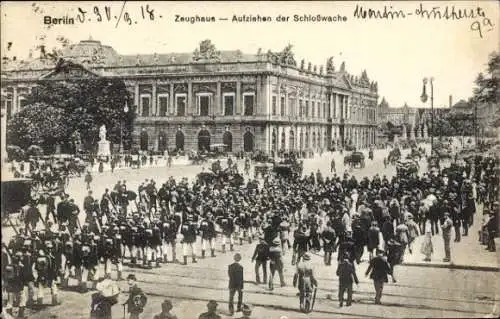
(249,102)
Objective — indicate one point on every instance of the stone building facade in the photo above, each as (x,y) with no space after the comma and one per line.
(249,102)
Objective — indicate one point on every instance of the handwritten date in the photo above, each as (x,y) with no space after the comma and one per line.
(109,14)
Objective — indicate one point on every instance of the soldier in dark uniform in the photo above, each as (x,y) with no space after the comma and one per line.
(329,238)
(112,253)
(226,224)
(208,235)
(47,271)
(88,205)
(156,241)
(14,282)
(28,260)
(188,231)
(170,227)
(300,242)
(347,246)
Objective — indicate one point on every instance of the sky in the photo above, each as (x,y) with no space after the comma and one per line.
(397,53)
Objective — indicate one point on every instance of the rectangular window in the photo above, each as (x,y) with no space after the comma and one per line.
(162,104)
(313,107)
(325,111)
(8,105)
(274,106)
(334,106)
(145,104)
(282,106)
(306,109)
(180,102)
(203,106)
(22,102)
(248,103)
(228,104)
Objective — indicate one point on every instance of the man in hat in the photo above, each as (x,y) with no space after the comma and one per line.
(304,277)
(446,228)
(136,300)
(211,313)
(378,271)
(260,256)
(276,262)
(235,272)
(347,275)
(165,313)
(492,226)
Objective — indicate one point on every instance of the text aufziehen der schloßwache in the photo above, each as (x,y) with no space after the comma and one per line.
(294,18)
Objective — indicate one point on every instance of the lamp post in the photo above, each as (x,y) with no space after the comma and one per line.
(423,98)
(125,111)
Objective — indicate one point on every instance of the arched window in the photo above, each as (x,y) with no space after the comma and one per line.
(283,138)
(274,144)
(179,141)
(144,140)
(204,140)
(314,140)
(162,141)
(248,143)
(301,140)
(291,141)
(227,139)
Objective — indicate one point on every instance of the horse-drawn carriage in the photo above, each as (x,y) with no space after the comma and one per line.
(354,159)
(407,168)
(288,170)
(16,193)
(261,157)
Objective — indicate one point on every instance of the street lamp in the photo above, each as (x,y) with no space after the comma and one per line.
(125,111)
(423,98)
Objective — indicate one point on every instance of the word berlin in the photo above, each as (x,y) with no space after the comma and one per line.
(448,13)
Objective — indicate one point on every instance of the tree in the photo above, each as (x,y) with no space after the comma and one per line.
(487,90)
(69,106)
(38,124)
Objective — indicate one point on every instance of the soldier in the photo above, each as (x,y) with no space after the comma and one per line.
(88,205)
(300,242)
(275,263)
(208,235)
(227,226)
(112,253)
(28,260)
(188,231)
(156,241)
(169,239)
(14,282)
(328,236)
(47,270)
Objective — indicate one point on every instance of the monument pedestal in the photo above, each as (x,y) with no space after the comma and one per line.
(104,148)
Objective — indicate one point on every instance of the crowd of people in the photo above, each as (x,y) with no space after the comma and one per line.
(301,215)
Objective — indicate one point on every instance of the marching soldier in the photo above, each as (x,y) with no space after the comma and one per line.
(227,226)
(14,282)
(208,235)
(47,271)
(169,238)
(112,253)
(28,260)
(188,231)
(156,241)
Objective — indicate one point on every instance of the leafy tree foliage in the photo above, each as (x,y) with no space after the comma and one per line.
(487,90)
(59,110)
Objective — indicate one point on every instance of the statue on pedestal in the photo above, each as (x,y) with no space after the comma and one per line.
(104,147)
(102,133)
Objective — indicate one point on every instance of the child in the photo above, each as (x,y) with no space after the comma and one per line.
(427,249)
